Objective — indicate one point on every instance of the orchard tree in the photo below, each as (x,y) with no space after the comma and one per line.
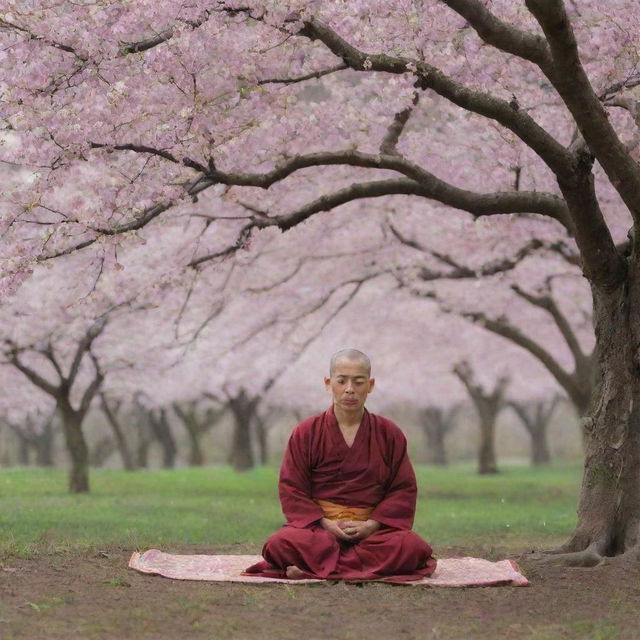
(438,423)
(542,85)
(35,432)
(535,417)
(487,404)
(72,413)
(537,302)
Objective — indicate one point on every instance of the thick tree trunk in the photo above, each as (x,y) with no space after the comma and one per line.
(162,431)
(435,426)
(488,406)
(76,446)
(141,419)
(535,419)
(487,453)
(189,419)
(196,456)
(244,410)
(609,506)
(540,455)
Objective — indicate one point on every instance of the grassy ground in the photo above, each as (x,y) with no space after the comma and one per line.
(63,562)
(517,507)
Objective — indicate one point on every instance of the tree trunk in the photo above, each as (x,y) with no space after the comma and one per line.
(76,446)
(244,410)
(488,406)
(121,441)
(609,506)
(189,417)
(535,418)
(436,424)
(196,456)
(263,446)
(142,453)
(540,455)
(142,421)
(487,453)
(162,432)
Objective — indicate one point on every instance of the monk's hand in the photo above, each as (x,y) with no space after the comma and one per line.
(333,526)
(359,529)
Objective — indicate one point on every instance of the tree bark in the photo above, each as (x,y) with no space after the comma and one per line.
(162,431)
(487,406)
(436,424)
(535,419)
(540,455)
(487,454)
(609,505)
(189,418)
(244,413)
(142,420)
(76,445)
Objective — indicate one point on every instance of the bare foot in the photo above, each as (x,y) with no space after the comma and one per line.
(293,573)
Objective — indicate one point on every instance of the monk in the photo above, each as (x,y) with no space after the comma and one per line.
(348,492)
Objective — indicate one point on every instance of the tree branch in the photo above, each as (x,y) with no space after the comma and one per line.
(506,330)
(84,346)
(570,80)
(93,387)
(502,35)
(308,76)
(430,77)
(460,271)
(165,35)
(547,303)
(391,139)
(30,374)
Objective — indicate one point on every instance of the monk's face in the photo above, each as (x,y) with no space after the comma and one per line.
(349,384)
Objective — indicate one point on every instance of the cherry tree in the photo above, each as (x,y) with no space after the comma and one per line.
(542,86)
(72,413)
(535,417)
(36,432)
(438,423)
(535,298)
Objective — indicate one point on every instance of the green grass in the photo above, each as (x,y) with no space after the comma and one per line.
(517,509)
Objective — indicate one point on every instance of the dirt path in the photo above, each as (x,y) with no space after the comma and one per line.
(95,595)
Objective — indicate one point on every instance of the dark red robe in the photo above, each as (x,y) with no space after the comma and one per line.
(374,472)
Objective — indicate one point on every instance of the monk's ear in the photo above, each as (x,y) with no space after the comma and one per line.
(327,383)
(372,383)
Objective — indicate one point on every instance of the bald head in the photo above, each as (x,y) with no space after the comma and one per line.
(353,355)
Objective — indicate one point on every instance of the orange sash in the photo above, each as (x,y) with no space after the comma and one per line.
(335,511)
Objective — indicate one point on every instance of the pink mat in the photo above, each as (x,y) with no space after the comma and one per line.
(451,572)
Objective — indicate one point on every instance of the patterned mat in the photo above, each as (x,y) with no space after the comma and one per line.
(451,572)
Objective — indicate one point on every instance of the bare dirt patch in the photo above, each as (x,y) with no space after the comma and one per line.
(94,595)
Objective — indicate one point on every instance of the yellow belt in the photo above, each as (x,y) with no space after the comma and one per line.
(335,511)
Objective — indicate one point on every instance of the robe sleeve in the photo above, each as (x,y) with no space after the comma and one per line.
(398,507)
(294,486)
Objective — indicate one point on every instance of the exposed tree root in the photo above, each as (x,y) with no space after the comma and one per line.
(630,557)
(589,557)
